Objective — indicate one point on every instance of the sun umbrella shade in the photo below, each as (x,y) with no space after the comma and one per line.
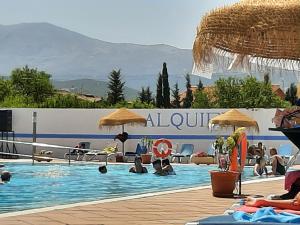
(234,117)
(122,116)
(268,30)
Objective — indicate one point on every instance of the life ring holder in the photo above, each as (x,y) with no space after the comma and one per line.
(162,154)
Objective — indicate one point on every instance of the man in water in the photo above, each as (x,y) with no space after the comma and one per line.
(138,167)
(166,166)
(158,168)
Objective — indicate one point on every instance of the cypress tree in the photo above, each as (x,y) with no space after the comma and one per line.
(188,100)
(291,94)
(176,98)
(166,86)
(115,88)
(159,92)
(200,85)
(142,95)
(266,78)
(148,95)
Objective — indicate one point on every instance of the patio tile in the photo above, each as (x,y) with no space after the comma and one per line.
(177,208)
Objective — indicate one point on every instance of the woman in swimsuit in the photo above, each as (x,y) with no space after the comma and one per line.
(278,167)
(293,204)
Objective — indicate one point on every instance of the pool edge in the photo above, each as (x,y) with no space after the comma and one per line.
(51,208)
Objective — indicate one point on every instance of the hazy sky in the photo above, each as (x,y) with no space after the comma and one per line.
(170,22)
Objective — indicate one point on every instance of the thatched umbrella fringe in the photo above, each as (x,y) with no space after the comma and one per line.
(262,29)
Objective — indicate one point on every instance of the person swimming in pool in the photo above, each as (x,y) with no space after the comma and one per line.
(158,168)
(102,169)
(166,166)
(138,167)
(5,177)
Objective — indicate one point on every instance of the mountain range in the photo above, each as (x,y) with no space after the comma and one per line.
(68,55)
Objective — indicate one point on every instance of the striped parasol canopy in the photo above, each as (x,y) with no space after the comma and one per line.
(234,118)
(265,32)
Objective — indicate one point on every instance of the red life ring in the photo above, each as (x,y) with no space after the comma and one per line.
(165,153)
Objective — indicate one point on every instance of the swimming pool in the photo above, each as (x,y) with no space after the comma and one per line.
(44,185)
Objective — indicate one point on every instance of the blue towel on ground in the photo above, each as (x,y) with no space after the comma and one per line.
(266,214)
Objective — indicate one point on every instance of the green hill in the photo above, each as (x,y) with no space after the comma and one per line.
(90,86)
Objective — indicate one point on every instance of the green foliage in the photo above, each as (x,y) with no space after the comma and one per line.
(145,96)
(291,94)
(166,86)
(201,100)
(115,88)
(134,105)
(18,101)
(247,93)
(32,83)
(176,98)
(69,101)
(188,100)
(227,92)
(142,95)
(159,92)
(5,89)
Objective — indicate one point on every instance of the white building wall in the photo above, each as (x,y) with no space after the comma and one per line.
(69,126)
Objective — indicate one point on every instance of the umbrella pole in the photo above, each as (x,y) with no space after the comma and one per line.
(123,143)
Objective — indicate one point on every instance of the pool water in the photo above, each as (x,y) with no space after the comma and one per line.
(45,185)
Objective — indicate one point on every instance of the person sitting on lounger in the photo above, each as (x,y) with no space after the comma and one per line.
(166,166)
(158,168)
(260,163)
(277,163)
(138,167)
(293,204)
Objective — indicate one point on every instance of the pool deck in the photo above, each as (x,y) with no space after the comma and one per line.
(176,208)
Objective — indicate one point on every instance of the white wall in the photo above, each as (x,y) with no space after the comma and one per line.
(69,126)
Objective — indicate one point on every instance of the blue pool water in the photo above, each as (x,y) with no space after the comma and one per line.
(45,185)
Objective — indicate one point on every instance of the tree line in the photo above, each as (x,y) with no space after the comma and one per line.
(28,87)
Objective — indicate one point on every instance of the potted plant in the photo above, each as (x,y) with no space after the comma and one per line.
(146,144)
(223,180)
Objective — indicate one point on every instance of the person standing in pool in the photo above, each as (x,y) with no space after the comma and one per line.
(166,166)
(138,167)
(278,167)
(158,168)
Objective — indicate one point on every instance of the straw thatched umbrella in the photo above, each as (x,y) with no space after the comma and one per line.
(121,117)
(266,30)
(234,118)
